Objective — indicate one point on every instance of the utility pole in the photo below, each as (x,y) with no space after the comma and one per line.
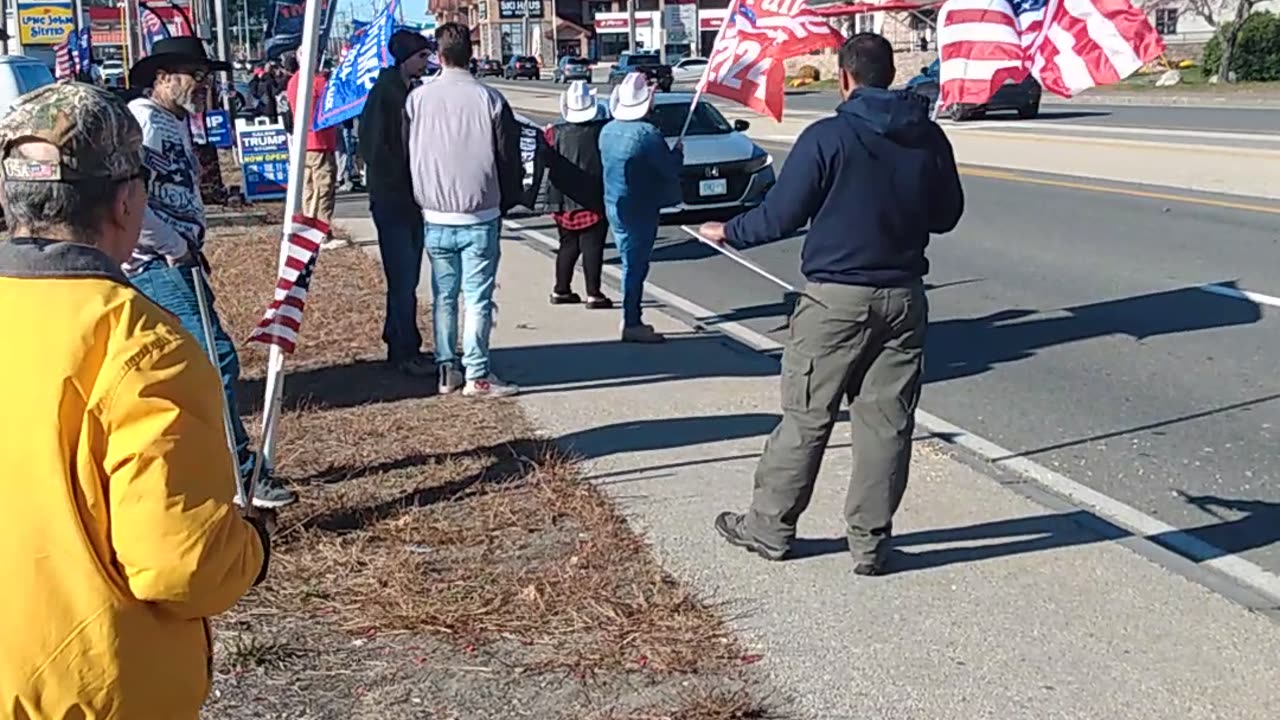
(631,25)
(525,44)
(661,31)
(555,34)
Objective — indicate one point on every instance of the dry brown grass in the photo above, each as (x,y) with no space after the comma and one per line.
(445,560)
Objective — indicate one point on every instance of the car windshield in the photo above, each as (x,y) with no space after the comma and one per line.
(576,61)
(669,119)
(643,60)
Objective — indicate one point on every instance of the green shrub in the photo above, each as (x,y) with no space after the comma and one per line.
(1257,54)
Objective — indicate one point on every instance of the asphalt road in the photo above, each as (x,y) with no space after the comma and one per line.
(1209,119)
(1068,326)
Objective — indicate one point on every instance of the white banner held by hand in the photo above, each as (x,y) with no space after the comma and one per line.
(739,258)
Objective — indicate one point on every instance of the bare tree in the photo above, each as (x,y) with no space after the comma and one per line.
(1208,10)
(1243,8)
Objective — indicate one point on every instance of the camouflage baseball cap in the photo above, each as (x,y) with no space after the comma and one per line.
(95,135)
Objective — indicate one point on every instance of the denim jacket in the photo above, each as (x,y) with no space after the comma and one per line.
(641,174)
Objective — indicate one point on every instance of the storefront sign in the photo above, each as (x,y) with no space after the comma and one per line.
(45,22)
(510,9)
(618,24)
(264,160)
(680,18)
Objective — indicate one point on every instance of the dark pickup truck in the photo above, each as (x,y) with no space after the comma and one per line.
(648,63)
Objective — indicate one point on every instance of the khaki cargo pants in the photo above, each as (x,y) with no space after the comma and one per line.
(320,185)
(860,344)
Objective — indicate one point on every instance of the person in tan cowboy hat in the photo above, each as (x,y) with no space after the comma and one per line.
(119,533)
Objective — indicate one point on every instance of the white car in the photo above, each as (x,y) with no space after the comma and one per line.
(688,70)
(724,172)
(113,73)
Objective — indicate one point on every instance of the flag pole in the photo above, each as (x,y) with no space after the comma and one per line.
(244,496)
(737,257)
(307,62)
(702,82)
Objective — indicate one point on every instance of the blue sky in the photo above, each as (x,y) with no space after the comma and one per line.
(366,9)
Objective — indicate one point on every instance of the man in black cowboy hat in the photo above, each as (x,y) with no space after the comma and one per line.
(164,264)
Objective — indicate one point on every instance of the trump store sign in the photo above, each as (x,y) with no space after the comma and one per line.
(45,22)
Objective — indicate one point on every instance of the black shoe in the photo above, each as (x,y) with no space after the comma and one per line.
(419,366)
(872,563)
(599,303)
(570,298)
(729,525)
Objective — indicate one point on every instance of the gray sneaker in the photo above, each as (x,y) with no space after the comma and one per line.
(449,378)
(642,334)
(271,494)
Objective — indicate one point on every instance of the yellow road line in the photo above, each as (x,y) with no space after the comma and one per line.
(1191,199)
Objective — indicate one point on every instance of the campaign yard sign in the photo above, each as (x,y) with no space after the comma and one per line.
(264,161)
(217,128)
(349,85)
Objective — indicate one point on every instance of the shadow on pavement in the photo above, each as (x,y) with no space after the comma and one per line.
(962,348)
(337,386)
(665,433)
(1255,524)
(611,364)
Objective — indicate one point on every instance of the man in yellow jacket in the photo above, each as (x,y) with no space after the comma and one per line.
(118,537)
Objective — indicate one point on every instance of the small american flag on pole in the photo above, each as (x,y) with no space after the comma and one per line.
(280,325)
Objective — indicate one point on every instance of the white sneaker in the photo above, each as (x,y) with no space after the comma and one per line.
(489,387)
(449,377)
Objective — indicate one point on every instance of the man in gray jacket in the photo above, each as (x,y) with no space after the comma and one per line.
(464,158)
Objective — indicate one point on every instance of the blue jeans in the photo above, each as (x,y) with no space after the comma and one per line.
(400,244)
(635,246)
(464,258)
(174,290)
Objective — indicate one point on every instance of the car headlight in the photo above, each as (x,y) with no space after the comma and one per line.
(760,159)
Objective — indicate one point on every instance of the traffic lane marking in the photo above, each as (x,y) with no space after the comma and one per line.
(1013,176)
(1143,527)
(1115,142)
(1067,128)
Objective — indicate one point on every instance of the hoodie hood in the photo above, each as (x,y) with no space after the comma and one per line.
(898,115)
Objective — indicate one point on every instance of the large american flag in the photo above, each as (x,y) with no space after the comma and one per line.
(1067,45)
(757,35)
(280,325)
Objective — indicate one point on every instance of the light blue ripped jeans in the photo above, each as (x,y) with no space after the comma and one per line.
(464,260)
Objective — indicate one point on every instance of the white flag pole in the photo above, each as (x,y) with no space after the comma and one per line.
(706,69)
(244,496)
(307,65)
(739,258)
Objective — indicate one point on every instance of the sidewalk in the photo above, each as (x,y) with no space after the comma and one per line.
(1005,610)
(1002,609)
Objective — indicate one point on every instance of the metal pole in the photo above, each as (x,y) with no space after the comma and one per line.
(525,45)
(129,53)
(224,51)
(555,34)
(244,496)
(307,66)
(4,32)
(631,25)
(737,257)
(661,31)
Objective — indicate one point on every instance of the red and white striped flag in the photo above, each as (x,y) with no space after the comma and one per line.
(745,65)
(1067,45)
(65,63)
(280,325)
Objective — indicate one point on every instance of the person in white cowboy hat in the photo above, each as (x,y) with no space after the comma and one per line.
(576,194)
(641,176)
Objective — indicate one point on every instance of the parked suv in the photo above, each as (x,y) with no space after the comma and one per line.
(521,66)
(1021,97)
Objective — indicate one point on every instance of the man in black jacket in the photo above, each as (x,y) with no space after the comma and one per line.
(396,215)
(873,181)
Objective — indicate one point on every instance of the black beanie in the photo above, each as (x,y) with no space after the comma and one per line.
(405,44)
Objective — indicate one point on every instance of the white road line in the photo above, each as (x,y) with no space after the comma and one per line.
(1237,293)
(1125,516)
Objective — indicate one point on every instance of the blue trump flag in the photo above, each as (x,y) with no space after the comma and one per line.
(345,93)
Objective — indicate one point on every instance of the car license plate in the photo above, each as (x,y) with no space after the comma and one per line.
(719,186)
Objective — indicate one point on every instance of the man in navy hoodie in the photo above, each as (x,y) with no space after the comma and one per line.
(873,182)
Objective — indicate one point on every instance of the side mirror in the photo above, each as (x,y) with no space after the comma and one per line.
(924,70)
(741,125)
